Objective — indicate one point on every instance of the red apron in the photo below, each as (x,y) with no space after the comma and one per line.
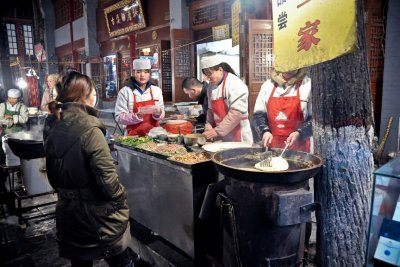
(220,110)
(284,117)
(148,122)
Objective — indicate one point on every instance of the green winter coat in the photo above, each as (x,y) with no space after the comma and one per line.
(92,212)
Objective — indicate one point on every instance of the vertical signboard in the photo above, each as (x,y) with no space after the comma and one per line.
(307,32)
(235,22)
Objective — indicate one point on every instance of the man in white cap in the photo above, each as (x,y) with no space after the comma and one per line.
(13,117)
(13,113)
(227,115)
(139,105)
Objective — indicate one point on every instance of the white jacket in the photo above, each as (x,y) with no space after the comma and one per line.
(304,92)
(21,118)
(236,97)
(124,104)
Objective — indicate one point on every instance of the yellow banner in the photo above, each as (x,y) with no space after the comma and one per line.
(308,32)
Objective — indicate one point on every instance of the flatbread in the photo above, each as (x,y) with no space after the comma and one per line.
(277,164)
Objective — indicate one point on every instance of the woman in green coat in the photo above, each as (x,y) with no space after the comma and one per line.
(92,215)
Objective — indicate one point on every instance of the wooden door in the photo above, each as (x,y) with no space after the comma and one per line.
(260,57)
(182,57)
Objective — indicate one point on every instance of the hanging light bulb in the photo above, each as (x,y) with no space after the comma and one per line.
(134,4)
(21,83)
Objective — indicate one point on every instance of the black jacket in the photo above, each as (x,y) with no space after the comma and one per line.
(203,101)
(92,212)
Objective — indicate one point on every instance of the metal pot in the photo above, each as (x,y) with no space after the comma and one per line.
(194,139)
(239,163)
(26,145)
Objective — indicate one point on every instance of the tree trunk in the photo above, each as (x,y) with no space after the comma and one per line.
(343,129)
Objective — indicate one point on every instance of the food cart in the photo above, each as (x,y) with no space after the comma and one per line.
(165,195)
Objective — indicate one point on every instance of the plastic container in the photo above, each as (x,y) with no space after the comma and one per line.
(173,126)
(149,109)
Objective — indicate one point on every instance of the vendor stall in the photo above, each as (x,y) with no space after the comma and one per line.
(165,195)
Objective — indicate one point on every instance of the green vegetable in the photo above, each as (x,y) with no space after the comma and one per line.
(132,141)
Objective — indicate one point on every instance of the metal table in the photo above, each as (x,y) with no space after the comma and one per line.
(166,196)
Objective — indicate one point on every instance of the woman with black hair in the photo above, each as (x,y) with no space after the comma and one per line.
(92,215)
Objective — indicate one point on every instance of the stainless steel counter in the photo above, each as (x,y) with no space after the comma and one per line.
(165,196)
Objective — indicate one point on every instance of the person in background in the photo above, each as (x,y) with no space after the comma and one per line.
(13,118)
(282,112)
(197,90)
(50,93)
(139,92)
(13,113)
(227,114)
(2,94)
(92,214)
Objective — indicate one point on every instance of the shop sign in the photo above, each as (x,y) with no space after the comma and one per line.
(124,16)
(235,22)
(220,32)
(308,32)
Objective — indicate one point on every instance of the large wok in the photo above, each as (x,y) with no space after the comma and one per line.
(238,163)
(26,145)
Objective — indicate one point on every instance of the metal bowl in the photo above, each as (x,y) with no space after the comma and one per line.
(26,145)
(194,139)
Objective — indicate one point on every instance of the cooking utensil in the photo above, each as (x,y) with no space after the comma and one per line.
(239,164)
(179,135)
(26,145)
(284,149)
(172,137)
(194,139)
(266,157)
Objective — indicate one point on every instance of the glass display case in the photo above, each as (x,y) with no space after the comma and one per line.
(384,229)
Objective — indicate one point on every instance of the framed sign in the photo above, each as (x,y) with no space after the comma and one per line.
(220,32)
(124,16)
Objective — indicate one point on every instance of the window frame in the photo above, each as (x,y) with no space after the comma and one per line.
(13,43)
(28,40)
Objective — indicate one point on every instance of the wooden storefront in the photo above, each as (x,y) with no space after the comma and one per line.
(118,49)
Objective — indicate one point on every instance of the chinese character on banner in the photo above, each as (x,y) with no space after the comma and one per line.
(282,20)
(308,32)
(281,2)
(307,36)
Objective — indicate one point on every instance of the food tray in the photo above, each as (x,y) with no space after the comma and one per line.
(171,158)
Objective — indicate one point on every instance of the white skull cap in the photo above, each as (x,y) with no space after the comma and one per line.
(15,93)
(210,61)
(141,64)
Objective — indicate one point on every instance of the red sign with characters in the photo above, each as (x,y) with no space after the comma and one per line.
(124,16)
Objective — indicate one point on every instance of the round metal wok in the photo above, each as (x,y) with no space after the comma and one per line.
(26,145)
(238,163)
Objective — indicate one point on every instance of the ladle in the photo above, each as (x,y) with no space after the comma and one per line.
(284,149)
